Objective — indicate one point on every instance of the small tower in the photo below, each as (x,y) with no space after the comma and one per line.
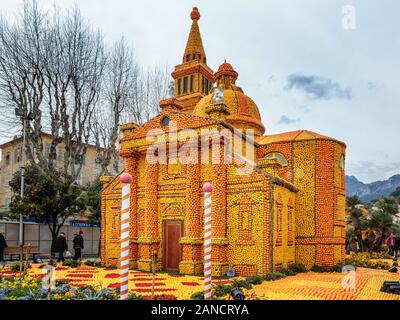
(193,78)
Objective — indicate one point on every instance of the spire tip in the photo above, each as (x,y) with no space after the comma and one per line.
(195,14)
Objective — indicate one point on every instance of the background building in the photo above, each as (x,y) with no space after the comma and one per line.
(39,234)
(11,162)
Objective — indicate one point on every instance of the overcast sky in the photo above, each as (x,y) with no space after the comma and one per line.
(298,60)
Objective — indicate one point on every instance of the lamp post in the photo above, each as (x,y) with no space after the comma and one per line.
(25,118)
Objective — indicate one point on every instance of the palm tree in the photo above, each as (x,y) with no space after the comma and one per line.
(353,207)
(388,205)
(381,223)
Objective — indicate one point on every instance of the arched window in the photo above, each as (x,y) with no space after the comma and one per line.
(278,156)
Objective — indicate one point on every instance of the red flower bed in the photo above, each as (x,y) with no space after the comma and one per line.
(81,271)
(192,284)
(141,274)
(149,290)
(113,285)
(38,275)
(146,279)
(74,280)
(176,275)
(112,276)
(79,275)
(222,282)
(9,272)
(148,284)
(161,297)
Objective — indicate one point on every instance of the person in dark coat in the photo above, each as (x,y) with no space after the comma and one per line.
(3,245)
(397,245)
(60,246)
(78,245)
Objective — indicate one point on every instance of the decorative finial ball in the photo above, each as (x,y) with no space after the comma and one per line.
(126,178)
(195,14)
(207,187)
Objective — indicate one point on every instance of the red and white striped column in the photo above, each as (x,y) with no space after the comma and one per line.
(126,179)
(207,188)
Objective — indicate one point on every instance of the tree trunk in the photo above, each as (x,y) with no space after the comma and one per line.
(357,231)
(54,235)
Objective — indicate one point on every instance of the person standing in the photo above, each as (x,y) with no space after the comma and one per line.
(60,246)
(397,245)
(3,245)
(78,245)
(390,244)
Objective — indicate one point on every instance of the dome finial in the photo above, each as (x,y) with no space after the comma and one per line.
(195,14)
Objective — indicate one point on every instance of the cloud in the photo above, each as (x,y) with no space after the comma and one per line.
(317,88)
(286,120)
(368,171)
(373,86)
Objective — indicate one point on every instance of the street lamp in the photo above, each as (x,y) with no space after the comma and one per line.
(25,118)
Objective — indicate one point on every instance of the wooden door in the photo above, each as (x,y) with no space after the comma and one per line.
(172,251)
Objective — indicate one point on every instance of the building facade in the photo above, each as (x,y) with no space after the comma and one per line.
(280,202)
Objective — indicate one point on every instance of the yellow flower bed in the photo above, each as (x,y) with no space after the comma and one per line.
(327,286)
(303,286)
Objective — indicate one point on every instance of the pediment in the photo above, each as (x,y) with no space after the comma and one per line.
(170,121)
(113,186)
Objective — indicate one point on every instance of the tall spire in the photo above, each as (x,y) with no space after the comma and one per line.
(193,78)
(194,47)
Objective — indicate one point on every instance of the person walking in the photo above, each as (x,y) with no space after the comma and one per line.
(397,245)
(3,245)
(60,246)
(78,245)
(390,243)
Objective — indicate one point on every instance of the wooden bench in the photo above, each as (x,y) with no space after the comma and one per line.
(27,250)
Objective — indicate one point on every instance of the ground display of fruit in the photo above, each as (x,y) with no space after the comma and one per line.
(303,286)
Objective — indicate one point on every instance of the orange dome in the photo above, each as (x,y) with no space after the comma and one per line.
(226,69)
(243,111)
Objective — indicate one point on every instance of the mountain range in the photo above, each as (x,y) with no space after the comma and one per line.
(374,190)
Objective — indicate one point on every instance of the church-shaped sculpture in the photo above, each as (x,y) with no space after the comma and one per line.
(287,208)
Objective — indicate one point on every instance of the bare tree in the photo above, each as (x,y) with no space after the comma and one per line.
(53,69)
(57,67)
(21,67)
(120,75)
(150,86)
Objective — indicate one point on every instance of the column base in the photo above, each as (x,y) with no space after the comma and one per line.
(146,248)
(219,269)
(219,259)
(191,267)
(192,262)
(145,265)
(133,254)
